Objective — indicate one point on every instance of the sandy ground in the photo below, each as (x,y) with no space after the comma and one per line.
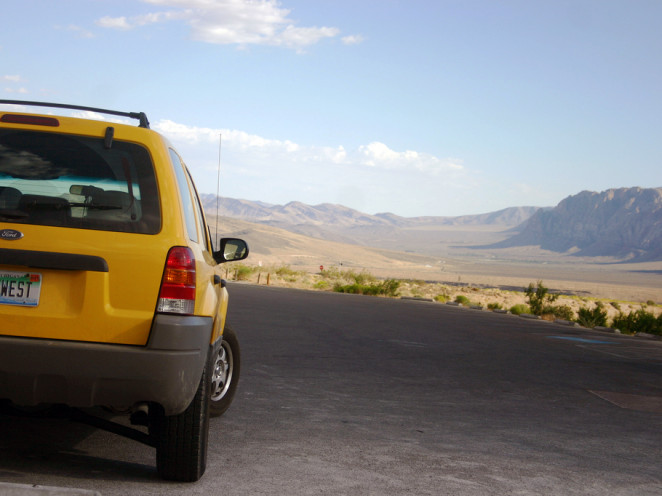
(442,262)
(484,287)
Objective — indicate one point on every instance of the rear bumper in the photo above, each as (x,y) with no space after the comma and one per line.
(166,371)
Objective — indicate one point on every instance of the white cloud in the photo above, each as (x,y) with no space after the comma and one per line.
(253,148)
(278,171)
(13,79)
(381,156)
(193,135)
(242,22)
(114,23)
(22,91)
(81,32)
(352,39)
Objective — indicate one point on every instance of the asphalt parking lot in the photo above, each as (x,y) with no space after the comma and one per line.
(352,395)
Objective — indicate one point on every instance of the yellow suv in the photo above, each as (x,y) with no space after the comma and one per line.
(110,289)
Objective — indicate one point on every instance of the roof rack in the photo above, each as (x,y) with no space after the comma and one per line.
(142,118)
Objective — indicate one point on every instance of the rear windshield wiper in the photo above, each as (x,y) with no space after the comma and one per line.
(94,206)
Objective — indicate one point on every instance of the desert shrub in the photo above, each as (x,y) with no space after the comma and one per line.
(539,298)
(347,288)
(442,298)
(494,306)
(616,305)
(519,309)
(285,270)
(559,312)
(650,303)
(362,277)
(389,287)
(639,321)
(322,285)
(350,276)
(331,273)
(243,272)
(594,317)
(463,300)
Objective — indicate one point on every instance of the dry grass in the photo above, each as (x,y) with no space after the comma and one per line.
(286,276)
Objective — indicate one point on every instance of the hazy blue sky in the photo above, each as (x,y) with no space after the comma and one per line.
(412,107)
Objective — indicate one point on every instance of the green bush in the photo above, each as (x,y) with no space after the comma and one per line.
(592,317)
(559,311)
(539,298)
(463,300)
(639,321)
(519,309)
(362,277)
(243,272)
(389,287)
(285,270)
(442,298)
(323,285)
(331,273)
(494,306)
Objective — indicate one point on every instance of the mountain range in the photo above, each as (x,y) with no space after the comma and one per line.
(623,224)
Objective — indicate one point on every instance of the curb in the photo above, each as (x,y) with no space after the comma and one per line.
(530,316)
(7,489)
(606,329)
(568,323)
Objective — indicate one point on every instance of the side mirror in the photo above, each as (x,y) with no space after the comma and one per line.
(232,249)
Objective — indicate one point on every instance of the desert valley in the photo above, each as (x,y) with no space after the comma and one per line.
(599,245)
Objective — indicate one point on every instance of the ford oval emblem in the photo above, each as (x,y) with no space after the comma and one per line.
(10,234)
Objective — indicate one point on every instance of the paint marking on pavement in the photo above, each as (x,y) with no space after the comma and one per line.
(582,340)
(636,402)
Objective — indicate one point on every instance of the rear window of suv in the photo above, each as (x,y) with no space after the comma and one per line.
(76,181)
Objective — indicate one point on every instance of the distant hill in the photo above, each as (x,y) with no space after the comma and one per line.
(425,235)
(623,223)
(338,216)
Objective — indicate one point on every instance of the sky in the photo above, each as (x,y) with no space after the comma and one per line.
(413,107)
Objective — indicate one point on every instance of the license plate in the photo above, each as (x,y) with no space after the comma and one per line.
(20,288)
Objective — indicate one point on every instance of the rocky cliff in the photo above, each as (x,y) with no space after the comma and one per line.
(624,223)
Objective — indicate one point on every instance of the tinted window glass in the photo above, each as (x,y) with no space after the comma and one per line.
(74,181)
(185,192)
(201,217)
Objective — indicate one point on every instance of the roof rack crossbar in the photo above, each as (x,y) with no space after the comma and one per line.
(140,116)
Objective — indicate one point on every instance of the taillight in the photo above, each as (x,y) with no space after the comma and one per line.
(35,120)
(177,293)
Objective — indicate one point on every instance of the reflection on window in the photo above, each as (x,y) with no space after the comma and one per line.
(73,181)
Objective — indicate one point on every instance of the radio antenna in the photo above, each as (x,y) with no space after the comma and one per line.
(218,182)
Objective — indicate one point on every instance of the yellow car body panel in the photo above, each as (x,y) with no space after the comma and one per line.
(121,302)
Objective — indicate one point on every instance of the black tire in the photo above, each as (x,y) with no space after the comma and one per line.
(226,367)
(182,440)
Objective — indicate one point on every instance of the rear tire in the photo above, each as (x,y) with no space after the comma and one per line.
(182,440)
(226,368)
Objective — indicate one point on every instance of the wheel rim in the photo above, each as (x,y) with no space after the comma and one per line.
(222,375)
